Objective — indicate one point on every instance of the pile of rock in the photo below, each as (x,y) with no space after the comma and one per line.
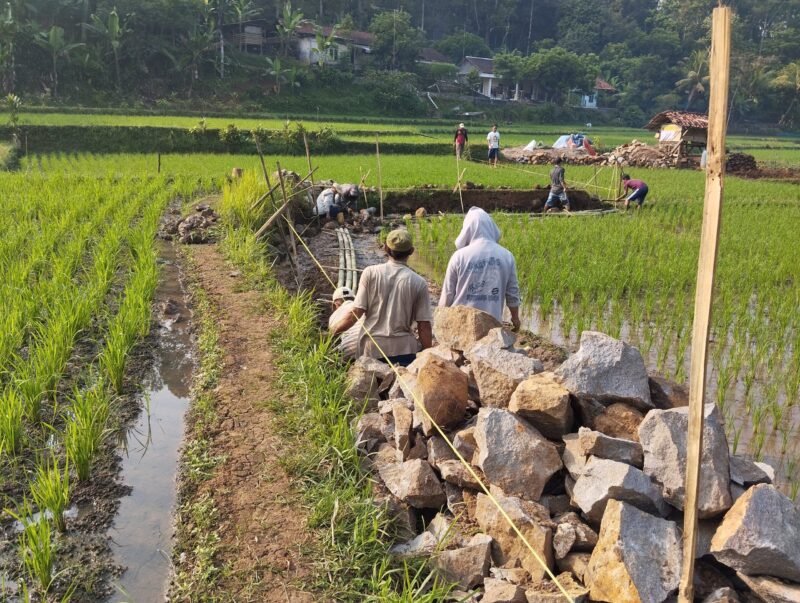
(194,228)
(587,460)
(577,156)
(740,162)
(640,154)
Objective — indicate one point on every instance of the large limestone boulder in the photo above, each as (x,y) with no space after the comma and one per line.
(466,566)
(442,351)
(772,590)
(498,374)
(367,378)
(513,455)
(508,549)
(637,558)
(594,443)
(663,437)
(760,535)
(441,389)
(497,339)
(545,404)
(414,482)
(459,327)
(604,480)
(607,370)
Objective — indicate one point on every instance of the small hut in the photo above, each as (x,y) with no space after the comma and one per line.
(681,133)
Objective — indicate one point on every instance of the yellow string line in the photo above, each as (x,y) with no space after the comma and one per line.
(421,406)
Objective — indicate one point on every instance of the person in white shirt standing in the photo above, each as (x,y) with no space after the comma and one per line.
(493,140)
(482,274)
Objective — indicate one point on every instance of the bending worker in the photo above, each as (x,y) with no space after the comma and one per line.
(639,188)
(342,306)
(335,201)
(482,274)
(392,297)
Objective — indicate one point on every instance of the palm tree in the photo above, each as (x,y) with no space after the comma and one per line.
(696,78)
(324,43)
(194,46)
(788,78)
(53,42)
(113,31)
(288,24)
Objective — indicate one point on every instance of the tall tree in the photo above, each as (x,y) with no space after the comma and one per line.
(695,81)
(788,80)
(397,43)
(112,31)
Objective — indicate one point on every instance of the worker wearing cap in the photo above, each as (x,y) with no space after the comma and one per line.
(391,297)
(342,306)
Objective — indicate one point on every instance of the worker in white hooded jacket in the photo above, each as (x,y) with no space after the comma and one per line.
(481,273)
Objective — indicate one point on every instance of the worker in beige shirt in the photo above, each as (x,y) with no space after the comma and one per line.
(392,297)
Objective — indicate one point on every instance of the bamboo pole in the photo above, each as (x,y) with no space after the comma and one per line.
(719,67)
(288,211)
(308,157)
(459,177)
(380,181)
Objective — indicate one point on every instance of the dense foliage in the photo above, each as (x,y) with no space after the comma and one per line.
(653,52)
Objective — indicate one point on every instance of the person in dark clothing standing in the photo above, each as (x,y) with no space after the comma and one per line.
(460,140)
(557,199)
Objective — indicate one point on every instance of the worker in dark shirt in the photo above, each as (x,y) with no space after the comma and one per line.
(557,199)
(639,188)
(460,140)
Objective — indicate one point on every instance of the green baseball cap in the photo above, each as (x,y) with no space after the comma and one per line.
(399,240)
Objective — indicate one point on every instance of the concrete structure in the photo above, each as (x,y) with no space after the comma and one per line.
(349,47)
(590,101)
(484,67)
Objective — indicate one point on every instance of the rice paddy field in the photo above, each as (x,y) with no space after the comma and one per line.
(80,265)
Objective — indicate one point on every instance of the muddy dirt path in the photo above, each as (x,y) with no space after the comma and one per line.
(262,518)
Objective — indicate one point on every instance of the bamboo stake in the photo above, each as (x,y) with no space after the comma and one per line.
(158,168)
(719,67)
(362,186)
(288,211)
(380,181)
(308,156)
(459,177)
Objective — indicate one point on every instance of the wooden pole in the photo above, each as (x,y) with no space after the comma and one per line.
(308,156)
(719,67)
(158,168)
(459,176)
(380,181)
(288,212)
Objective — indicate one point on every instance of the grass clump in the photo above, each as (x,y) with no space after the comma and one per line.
(86,428)
(50,491)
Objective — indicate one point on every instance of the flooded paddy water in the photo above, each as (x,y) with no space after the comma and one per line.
(141,535)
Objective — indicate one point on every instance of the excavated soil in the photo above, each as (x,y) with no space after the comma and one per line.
(438,200)
(263,522)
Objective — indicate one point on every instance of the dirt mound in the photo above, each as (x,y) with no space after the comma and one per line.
(740,162)
(438,200)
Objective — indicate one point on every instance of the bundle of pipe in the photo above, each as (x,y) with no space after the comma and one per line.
(348,274)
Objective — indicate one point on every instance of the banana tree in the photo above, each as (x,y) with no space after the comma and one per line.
(277,72)
(324,43)
(113,32)
(287,26)
(54,42)
(244,9)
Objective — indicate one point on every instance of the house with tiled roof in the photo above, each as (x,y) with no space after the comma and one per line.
(484,67)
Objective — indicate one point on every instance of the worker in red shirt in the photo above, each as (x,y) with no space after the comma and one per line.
(639,188)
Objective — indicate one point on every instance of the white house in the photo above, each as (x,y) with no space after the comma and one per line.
(347,46)
(485,69)
(589,101)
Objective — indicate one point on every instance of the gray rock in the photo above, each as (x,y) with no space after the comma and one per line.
(594,443)
(403,424)
(760,535)
(607,370)
(663,436)
(446,531)
(382,457)
(514,575)
(545,404)
(367,378)
(572,535)
(404,384)
(513,455)
(439,451)
(603,480)
(746,472)
(455,500)
(508,549)
(499,373)
(497,339)
(466,566)
(667,394)
(500,591)
(403,516)
(556,504)
(464,442)
(423,545)
(723,595)
(572,456)
(368,432)
(772,590)
(414,482)
(459,327)
(441,389)
(455,472)
(637,558)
